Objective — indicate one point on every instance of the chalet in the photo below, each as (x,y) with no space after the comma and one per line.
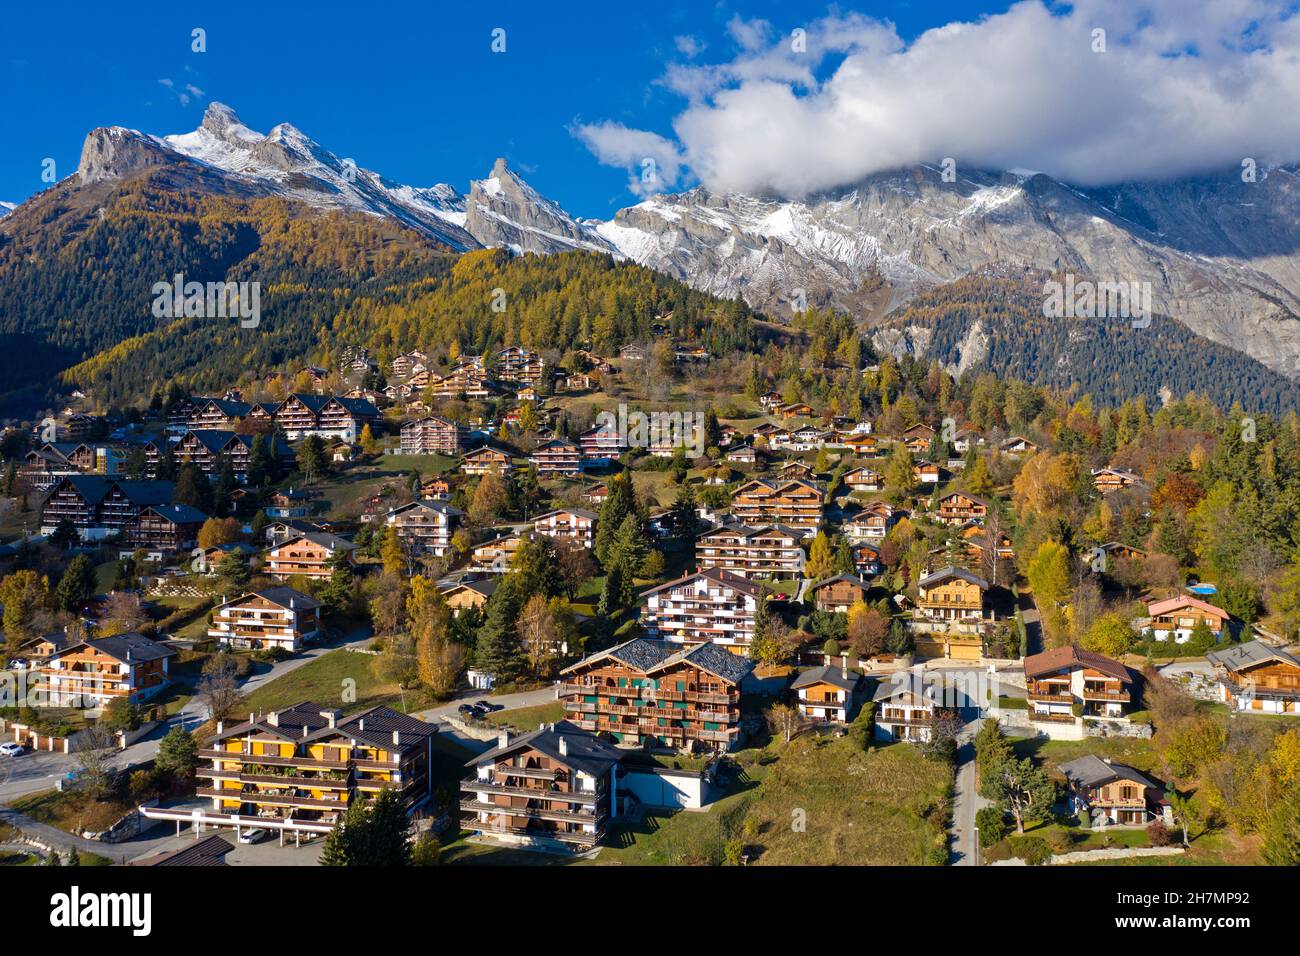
(433,436)
(839,593)
(1258,678)
(572,524)
(796,470)
(288,503)
(487,460)
(342,451)
(1112,794)
(274,617)
(925,433)
(866,560)
(94,672)
(770,400)
(794,503)
(795,410)
(497,554)
(307,555)
(710,605)
(1117,551)
(556,786)
(872,522)
(967,438)
(927,472)
(956,508)
(424,526)
(776,438)
(646,692)
(165,530)
(407,363)
(574,383)
(865,445)
(466,594)
(435,487)
(1065,678)
(863,479)
(904,710)
(1016,445)
(951,614)
(289,527)
(210,559)
(557,457)
(100,507)
(633,353)
(1110,480)
(771,551)
(808,438)
(596,495)
(742,455)
(828,694)
(1178,617)
(298,770)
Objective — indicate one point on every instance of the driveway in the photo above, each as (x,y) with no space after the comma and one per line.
(1033,621)
(966,801)
(527,698)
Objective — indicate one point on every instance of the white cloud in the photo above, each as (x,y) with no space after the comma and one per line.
(1182,88)
(183,94)
(653,162)
(688,46)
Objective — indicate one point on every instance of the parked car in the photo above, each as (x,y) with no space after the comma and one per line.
(478,713)
(488,706)
(256,835)
(12,749)
(17,664)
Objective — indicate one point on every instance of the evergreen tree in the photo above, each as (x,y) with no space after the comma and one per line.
(193,488)
(498,651)
(77,586)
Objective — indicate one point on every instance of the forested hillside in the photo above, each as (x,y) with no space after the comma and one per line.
(998,323)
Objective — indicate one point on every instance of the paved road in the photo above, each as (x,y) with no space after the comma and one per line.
(527,698)
(1033,621)
(34,772)
(966,801)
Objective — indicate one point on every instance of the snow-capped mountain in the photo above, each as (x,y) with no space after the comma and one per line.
(6,208)
(1222,256)
(501,210)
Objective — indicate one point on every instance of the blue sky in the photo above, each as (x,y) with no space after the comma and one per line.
(1093,91)
(411,90)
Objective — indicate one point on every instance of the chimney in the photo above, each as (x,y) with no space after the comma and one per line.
(844,667)
(564,747)
(331,717)
(273,718)
(397,738)
(221,726)
(503,738)
(1105,759)
(361,724)
(251,716)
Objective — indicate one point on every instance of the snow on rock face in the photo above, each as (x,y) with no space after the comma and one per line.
(503,210)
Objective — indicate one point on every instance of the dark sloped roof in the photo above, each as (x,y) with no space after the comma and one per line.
(1091,771)
(132,647)
(851,578)
(307,721)
(583,751)
(1249,655)
(950,571)
(1072,656)
(651,656)
(827,674)
(179,514)
(284,594)
(209,852)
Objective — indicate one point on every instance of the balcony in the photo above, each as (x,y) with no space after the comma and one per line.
(535,813)
(472,822)
(274,799)
(274,780)
(1044,718)
(1097,693)
(270,761)
(583,797)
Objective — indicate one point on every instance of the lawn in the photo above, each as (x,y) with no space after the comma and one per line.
(74,812)
(815,801)
(12,858)
(527,718)
(343,679)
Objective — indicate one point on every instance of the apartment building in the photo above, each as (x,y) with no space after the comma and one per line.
(601,443)
(556,786)
(96,671)
(216,414)
(433,436)
(486,460)
(660,694)
(280,617)
(710,605)
(772,551)
(100,507)
(326,416)
(425,526)
(299,769)
(520,365)
(793,503)
(165,530)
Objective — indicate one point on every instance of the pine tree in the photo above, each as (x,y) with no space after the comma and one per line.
(77,586)
(193,488)
(498,651)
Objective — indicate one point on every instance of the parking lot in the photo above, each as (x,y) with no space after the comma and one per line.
(266,853)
